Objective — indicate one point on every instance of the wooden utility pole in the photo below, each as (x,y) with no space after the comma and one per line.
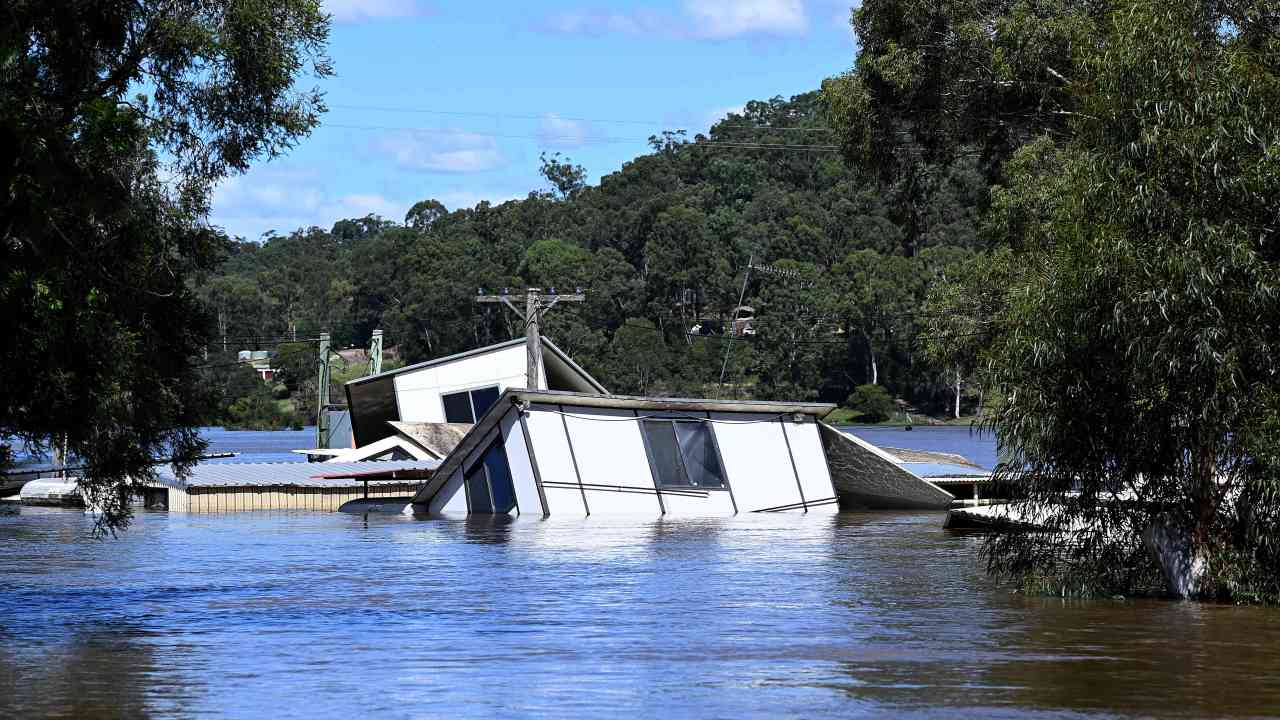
(536,304)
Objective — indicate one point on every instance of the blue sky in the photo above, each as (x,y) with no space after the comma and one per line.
(455,101)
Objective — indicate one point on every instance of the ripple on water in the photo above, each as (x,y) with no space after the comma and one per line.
(309,615)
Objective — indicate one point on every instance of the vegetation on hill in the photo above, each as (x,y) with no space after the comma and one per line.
(661,247)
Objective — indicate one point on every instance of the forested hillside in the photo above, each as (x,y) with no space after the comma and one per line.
(660,246)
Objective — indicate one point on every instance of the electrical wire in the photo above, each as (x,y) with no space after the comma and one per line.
(604,140)
(554,116)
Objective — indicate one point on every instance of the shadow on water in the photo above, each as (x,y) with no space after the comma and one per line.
(933,634)
(488,529)
(89,672)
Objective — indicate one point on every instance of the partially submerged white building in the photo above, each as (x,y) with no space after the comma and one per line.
(568,447)
(556,452)
(455,389)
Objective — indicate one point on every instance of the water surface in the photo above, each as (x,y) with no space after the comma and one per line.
(980,447)
(329,615)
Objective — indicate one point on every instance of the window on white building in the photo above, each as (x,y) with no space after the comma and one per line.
(683,454)
(469,405)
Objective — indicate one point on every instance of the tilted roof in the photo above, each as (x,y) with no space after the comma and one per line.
(547,347)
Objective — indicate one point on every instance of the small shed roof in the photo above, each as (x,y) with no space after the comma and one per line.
(438,439)
(298,474)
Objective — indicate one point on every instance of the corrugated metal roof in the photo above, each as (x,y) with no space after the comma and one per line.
(289,474)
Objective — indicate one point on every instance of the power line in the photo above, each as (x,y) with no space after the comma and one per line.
(555,116)
(604,140)
(901,337)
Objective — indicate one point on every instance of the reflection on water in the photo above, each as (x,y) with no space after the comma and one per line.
(328,615)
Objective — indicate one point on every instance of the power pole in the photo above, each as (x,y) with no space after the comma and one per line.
(322,394)
(536,304)
(375,353)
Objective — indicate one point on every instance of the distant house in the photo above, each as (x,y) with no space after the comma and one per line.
(260,361)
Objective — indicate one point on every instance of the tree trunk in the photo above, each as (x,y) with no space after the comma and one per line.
(222,326)
(1183,564)
(957,392)
(873,369)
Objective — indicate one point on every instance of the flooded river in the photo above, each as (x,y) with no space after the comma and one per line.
(328,615)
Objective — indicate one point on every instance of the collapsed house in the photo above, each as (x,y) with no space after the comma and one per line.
(495,431)
(560,443)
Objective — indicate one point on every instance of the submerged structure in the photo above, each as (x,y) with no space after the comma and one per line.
(557,452)
(499,430)
(544,437)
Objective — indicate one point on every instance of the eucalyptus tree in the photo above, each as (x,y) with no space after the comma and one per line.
(117,119)
(1134,338)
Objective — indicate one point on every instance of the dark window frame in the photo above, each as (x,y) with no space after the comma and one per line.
(471,401)
(363,433)
(478,466)
(680,454)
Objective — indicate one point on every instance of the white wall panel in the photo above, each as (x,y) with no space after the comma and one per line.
(611,502)
(610,450)
(418,392)
(811,462)
(756,461)
(451,499)
(555,462)
(521,469)
(417,397)
(717,503)
(565,501)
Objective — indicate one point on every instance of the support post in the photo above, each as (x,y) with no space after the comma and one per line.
(533,339)
(375,353)
(535,306)
(322,394)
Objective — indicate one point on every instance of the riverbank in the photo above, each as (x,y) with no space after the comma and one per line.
(845,416)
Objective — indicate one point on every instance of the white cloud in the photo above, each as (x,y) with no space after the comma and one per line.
(715,116)
(602,22)
(730,18)
(700,19)
(353,11)
(555,131)
(464,199)
(273,199)
(441,151)
(362,204)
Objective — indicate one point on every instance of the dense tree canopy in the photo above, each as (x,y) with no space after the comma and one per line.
(116,118)
(1128,322)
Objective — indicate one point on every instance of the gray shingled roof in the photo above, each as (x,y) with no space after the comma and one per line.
(287,474)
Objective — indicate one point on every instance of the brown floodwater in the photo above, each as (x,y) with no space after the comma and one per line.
(329,615)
